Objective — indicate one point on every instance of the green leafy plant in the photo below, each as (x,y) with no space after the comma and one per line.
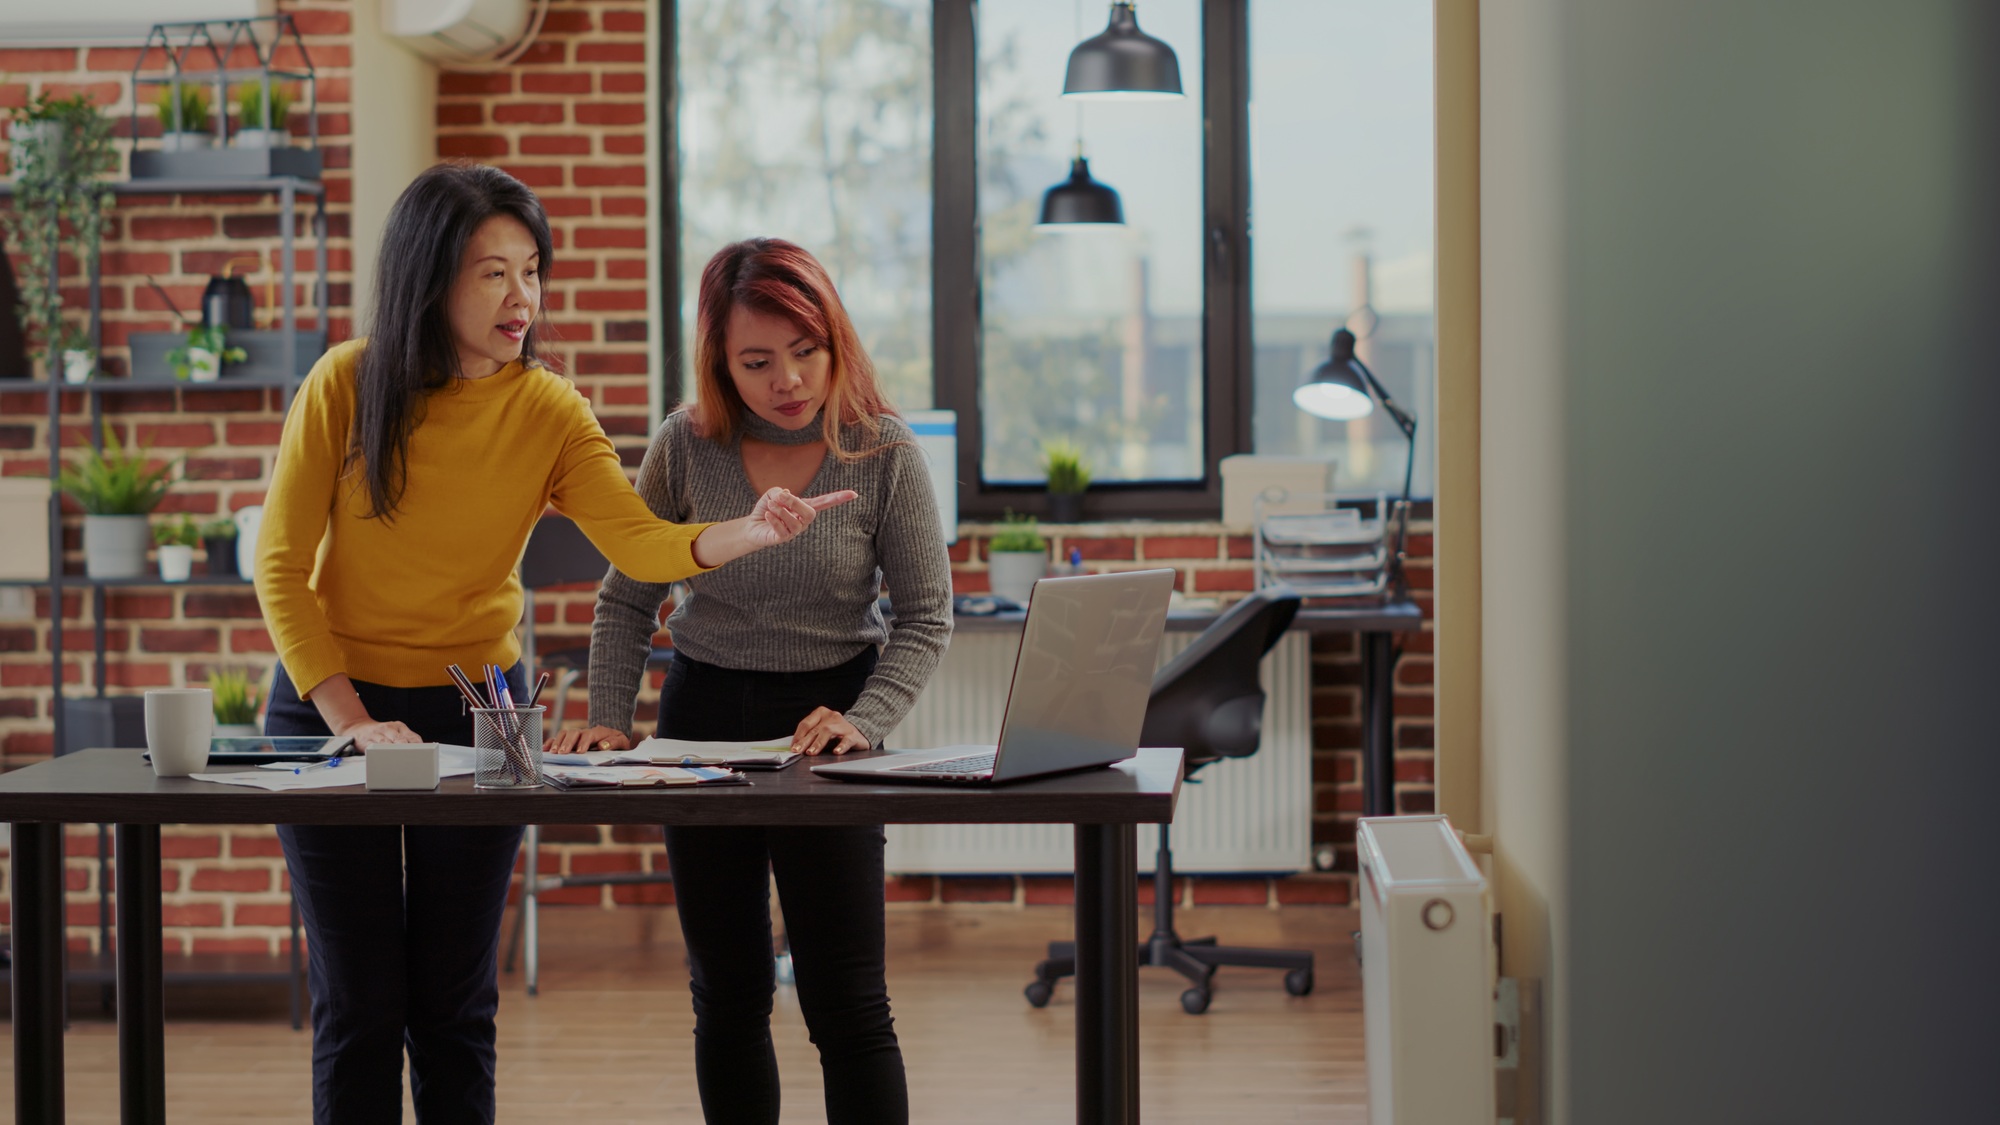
(250,106)
(211,338)
(181,532)
(194,107)
(116,481)
(61,150)
(236,695)
(72,338)
(1068,473)
(1018,533)
(222,528)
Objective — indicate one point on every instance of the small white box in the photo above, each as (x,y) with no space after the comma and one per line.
(1246,476)
(402,765)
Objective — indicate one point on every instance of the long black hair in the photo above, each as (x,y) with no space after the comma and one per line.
(410,350)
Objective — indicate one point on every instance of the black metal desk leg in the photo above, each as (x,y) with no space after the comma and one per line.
(38,974)
(1107,974)
(1378,718)
(142,1024)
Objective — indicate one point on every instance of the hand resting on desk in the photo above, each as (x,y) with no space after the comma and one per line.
(584,741)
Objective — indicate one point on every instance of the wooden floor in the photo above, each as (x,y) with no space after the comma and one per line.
(609,1039)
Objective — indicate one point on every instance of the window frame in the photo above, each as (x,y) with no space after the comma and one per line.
(1228,367)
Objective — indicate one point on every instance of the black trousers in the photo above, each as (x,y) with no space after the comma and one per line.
(830,882)
(403,929)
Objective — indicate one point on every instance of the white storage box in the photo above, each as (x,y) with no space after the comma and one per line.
(24,513)
(1427,1002)
(402,765)
(1287,484)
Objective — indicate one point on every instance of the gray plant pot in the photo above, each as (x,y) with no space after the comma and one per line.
(1013,574)
(115,546)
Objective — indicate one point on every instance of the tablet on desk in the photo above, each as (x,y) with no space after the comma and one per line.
(253,750)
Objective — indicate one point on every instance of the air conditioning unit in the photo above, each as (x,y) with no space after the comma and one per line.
(76,23)
(1427,1002)
(465,33)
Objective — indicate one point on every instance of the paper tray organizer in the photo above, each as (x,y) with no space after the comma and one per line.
(1329,553)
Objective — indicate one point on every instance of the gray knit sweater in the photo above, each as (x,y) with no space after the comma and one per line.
(797,607)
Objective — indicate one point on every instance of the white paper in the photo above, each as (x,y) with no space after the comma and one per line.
(671,751)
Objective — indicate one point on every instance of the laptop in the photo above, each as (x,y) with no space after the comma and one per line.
(1082,678)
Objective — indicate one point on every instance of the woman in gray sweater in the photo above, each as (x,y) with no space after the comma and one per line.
(786,643)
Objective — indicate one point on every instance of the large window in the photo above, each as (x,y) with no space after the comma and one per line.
(908,143)
(810,120)
(1341,186)
(1089,334)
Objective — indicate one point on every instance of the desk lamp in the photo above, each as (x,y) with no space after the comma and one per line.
(1344,389)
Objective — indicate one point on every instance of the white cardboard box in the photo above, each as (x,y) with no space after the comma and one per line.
(1247,476)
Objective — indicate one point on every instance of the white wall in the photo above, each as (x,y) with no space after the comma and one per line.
(1741,500)
(395,137)
(1522,461)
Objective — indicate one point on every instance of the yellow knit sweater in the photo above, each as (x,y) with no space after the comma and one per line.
(394,601)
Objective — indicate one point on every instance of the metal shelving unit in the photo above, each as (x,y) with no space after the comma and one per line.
(197,969)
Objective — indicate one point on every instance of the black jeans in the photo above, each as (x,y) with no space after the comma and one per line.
(403,931)
(830,883)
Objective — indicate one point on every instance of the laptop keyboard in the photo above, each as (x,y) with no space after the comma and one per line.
(970,764)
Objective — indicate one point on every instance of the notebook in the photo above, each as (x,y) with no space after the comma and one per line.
(765,755)
(637,777)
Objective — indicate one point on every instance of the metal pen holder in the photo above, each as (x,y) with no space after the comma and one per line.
(508,747)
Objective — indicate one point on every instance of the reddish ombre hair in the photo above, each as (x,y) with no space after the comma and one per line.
(779,278)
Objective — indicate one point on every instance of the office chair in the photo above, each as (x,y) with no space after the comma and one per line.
(1209,701)
(559,554)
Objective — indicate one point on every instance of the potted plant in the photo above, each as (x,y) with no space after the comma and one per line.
(61,150)
(200,360)
(176,539)
(254,127)
(184,117)
(218,540)
(1068,475)
(117,488)
(79,359)
(1016,557)
(236,698)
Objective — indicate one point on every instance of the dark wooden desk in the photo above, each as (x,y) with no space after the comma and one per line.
(1377,626)
(116,786)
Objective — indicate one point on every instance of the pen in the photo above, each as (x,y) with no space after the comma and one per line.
(330,763)
(541,682)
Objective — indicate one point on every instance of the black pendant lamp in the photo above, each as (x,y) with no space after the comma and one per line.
(1122,63)
(1080,201)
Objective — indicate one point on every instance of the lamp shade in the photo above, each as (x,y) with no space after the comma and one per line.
(1338,392)
(1081,201)
(1122,63)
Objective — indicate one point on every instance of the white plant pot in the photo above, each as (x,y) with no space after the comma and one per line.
(236,730)
(204,366)
(1013,574)
(186,142)
(263,138)
(115,546)
(78,366)
(176,562)
(248,520)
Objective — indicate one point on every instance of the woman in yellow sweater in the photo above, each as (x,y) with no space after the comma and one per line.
(412,468)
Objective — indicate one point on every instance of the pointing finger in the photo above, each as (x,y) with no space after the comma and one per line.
(832,499)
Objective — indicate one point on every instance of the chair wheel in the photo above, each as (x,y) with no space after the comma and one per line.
(1299,982)
(1195,1001)
(1039,993)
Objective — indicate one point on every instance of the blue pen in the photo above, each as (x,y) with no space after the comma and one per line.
(330,763)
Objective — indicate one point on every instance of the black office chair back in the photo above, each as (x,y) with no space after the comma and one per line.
(559,553)
(1209,700)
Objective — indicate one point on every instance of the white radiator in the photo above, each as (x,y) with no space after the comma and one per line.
(1428,1006)
(1250,814)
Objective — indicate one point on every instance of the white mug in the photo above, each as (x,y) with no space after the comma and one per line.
(179,723)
